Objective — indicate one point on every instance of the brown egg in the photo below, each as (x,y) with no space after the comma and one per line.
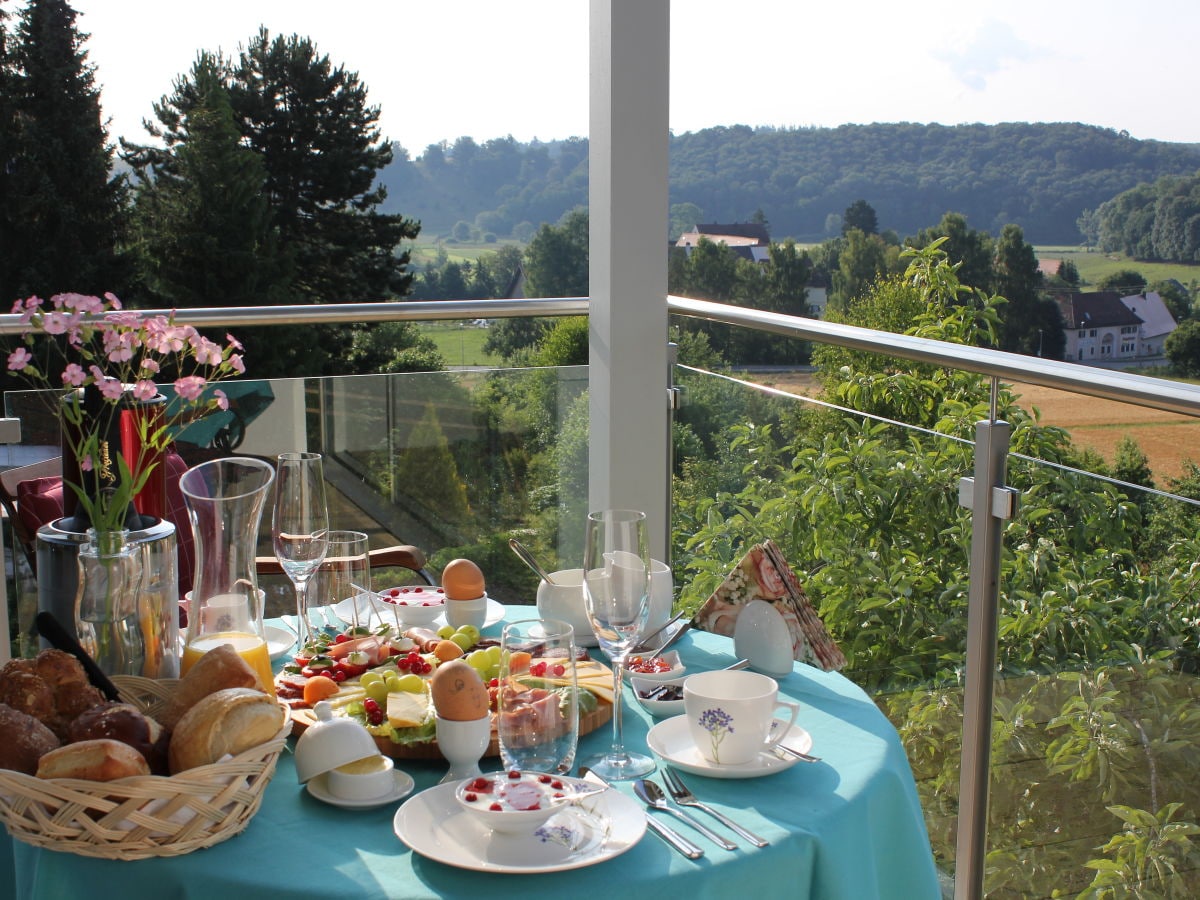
(458,692)
(462,580)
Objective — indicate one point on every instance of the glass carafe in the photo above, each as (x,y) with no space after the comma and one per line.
(225,501)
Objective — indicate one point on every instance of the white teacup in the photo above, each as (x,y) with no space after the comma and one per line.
(729,714)
(564,600)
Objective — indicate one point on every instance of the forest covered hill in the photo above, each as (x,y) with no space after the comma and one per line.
(1042,177)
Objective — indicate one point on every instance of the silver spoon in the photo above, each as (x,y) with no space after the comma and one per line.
(652,795)
(527,558)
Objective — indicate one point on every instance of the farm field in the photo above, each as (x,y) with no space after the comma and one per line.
(1167,439)
(460,343)
(1094,265)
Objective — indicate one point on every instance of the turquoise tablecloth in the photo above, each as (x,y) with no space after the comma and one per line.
(849,827)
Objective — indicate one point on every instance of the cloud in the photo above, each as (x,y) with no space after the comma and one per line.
(992,47)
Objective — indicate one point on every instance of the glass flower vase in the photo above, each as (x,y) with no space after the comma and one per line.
(107,619)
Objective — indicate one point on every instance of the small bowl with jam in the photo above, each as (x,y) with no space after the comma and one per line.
(654,667)
(659,698)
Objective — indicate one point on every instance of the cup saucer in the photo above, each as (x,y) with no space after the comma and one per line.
(671,741)
(402,786)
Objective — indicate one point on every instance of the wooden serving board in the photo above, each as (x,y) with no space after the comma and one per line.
(596,674)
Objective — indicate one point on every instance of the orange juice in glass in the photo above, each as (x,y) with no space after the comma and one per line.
(250,647)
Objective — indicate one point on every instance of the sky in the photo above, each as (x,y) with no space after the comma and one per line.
(441,70)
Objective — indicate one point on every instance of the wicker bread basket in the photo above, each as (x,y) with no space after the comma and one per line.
(141,817)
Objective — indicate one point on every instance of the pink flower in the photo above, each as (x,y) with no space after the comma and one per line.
(207,353)
(145,389)
(190,387)
(111,388)
(19,359)
(236,363)
(222,400)
(233,342)
(150,367)
(57,322)
(74,375)
(86,463)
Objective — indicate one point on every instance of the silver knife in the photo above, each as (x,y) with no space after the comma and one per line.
(668,834)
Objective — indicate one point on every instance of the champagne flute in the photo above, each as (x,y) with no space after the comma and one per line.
(616,587)
(300,526)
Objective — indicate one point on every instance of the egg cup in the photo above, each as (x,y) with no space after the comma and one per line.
(463,744)
(467,612)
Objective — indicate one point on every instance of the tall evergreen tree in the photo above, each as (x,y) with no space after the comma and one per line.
(321,150)
(62,206)
(202,232)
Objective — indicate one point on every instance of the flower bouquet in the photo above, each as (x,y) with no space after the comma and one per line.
(102,363)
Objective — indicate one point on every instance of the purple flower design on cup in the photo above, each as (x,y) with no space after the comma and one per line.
(718,724)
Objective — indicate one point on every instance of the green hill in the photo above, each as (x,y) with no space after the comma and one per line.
(1039,176)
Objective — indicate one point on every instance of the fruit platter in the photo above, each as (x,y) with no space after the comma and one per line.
(397,684)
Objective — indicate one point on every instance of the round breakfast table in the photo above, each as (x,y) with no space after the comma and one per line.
(847,827)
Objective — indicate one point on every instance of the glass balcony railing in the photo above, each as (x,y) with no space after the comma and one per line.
(1092,720)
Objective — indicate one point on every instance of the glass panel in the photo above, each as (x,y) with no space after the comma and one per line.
(1095,704)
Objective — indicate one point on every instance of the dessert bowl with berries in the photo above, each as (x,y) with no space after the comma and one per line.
(652,667)
(520,802)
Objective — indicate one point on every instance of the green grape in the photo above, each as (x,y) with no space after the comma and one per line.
(469,631)
(493,654)
(378,690)
(412,683)
(393,681)
(463,641)
(369,678)
(445,632)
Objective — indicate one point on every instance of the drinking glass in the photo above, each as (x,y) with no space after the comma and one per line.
(616,586)
(299,526)
(344,574)
(537,711)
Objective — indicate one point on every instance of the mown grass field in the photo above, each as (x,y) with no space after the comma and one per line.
(460,343)
(1094,265)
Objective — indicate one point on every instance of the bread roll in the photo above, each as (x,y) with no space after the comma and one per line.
(216,670)
(226,722)
(102,759)
(127,724)
(25,740)
(52,688)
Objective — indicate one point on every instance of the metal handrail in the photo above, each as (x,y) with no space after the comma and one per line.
(1157,393)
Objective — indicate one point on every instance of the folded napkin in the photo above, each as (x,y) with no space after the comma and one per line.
(763,574)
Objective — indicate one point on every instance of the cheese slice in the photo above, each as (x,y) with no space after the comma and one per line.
(407,709)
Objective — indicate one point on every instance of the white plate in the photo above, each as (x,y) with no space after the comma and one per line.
(671,741)
(279,640)
(382,613)
(402,787)
(586,833)
(761,636)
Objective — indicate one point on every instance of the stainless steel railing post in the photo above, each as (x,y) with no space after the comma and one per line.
(991,502)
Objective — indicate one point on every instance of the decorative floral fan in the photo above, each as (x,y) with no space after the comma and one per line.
(763,574)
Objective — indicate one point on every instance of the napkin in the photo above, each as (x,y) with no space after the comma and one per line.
(763,574)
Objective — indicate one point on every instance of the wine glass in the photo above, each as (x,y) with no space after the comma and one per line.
(299,526)
(343,579)
(616,586)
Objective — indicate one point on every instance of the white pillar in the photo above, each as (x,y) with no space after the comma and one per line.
(628,170)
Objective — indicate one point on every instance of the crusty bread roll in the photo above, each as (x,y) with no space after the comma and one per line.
(102,759)
(24,741)
(127,724)
(52,688)
(216,670)
(226,722)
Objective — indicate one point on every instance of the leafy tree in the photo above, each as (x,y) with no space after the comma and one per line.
(393,347)
(1068,273)
(461,231)
(556,261)
(862,258)
(566,343)
(971,249)
(861,215)
(201,225)
(320,147)
(1158,221)
(684,217)
(1183,348)
(1126,282)
(1032,322)
(1176,298)
(61,215)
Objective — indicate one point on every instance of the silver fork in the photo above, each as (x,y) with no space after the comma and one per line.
(679,791)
